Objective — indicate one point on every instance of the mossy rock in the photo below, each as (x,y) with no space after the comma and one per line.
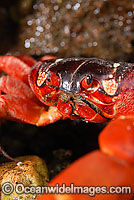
(27,170)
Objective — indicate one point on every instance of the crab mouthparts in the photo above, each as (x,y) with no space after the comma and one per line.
(71,104)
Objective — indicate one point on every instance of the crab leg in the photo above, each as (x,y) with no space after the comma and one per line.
(20,103)
(20,109)
(15,67)
(11,85)
(112,166)
(117,139)
(27,59)
(3,153)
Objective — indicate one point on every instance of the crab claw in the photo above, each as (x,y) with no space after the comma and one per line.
(17,101)
(117,138)
(111,168)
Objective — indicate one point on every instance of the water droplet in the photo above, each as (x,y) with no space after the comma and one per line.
(76,6)
(56,7)
(73,34)
(29,22)
(66,29)
(53,19)
(90,44)
(47,26)
(40,28)
(56,49)
(32,39)
(116,22)
(62,44)
(47,50)
(86,35)
(27,43)
(110,75)
(128,21)
(35,6)
(48,36)
(37,33)
(119,8)
(37,21)
(41,5)
(127,28)
(68,6)
(116,16)
(19,163)
(95,44)
(121,17)
(130,13)
(120,23)
(96,11)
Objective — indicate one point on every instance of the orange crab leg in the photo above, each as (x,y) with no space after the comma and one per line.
(20,109)
(27,59)
(44,58)
(118,138)
(101,169)
(94,169)
(14,107)
(10,85)
(15,67)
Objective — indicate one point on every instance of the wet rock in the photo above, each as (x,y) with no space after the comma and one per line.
(27,170)
(78,28)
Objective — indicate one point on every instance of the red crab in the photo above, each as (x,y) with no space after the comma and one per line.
(77,88)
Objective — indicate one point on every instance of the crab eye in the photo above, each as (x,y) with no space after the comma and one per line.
(87,81)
